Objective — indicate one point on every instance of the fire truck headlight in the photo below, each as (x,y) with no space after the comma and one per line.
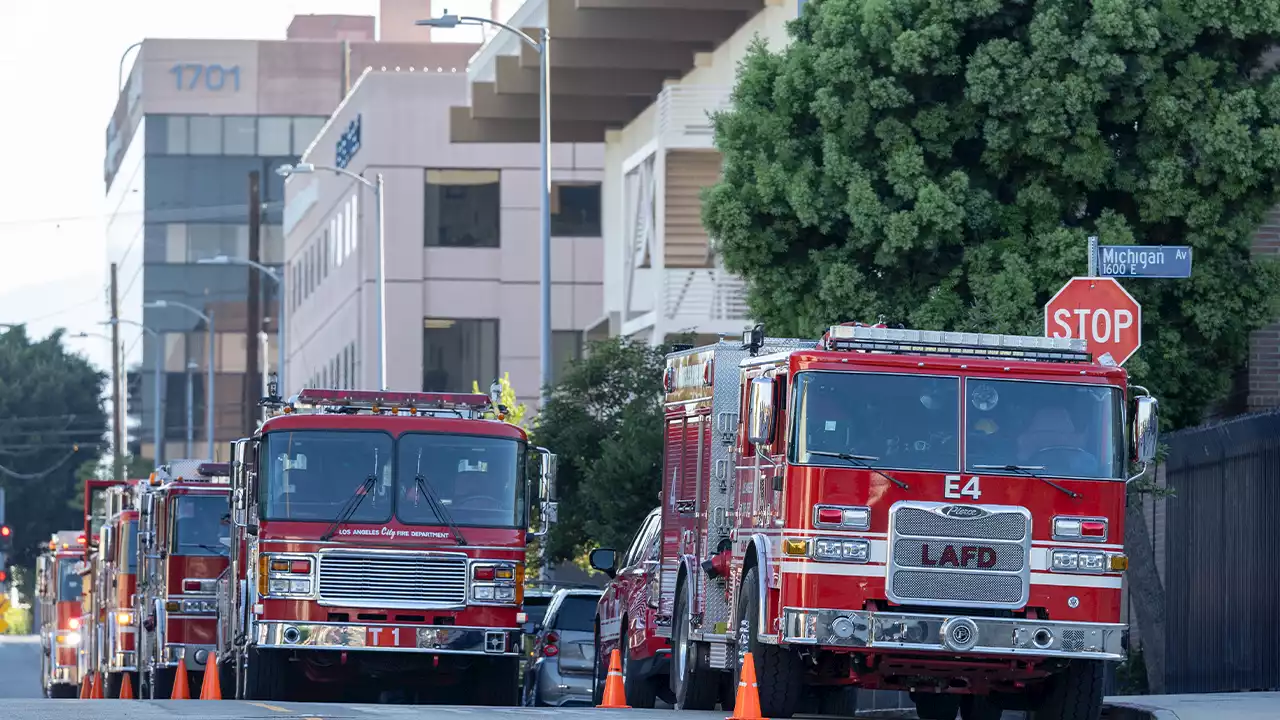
(199,606)
(482,592)
(73,638)
(841,549)
(1079,561)
(1093,561)
(124,618)
(300,587)
(1066,560)
(74,624)
(507,594)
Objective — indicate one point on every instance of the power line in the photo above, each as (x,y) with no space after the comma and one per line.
(183,214)
(38,475)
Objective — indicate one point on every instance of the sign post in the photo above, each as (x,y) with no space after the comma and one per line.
(1099,311)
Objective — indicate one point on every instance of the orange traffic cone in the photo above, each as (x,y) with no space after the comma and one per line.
(747,705)
(615,693)
(211,688)
(85,685)
(180,689)
(95,691)
(126,688)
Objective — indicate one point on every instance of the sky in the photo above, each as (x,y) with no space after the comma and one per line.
(62,61)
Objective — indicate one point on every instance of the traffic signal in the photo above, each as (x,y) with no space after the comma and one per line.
(6,537)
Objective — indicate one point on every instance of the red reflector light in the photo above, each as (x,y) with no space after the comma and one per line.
(484,573)
(1093,528)
(550,650)
(190,586)
(300,566)
(830,516)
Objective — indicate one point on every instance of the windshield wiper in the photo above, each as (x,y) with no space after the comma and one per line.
(437,506)
(861,461)
(349,509)
(1025,470)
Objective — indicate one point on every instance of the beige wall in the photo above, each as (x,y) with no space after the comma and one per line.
(405,129)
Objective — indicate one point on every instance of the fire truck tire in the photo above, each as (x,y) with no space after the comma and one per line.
(936,706)
(496,682)
(779,669)
(64,691)
(640,690)
(160,687)
(1073,694)
(695,685)
(264,676)
(980,707)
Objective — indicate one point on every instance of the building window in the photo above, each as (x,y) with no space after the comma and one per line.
(273,136)
(305,129)
(462,208)
(176,143)
(456,353)
(575,209)
(326,251)
(239,135)
(205,135)
(175,243)
(210,240)
(566,347)
(353,219)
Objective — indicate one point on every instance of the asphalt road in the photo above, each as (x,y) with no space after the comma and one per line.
(19,668)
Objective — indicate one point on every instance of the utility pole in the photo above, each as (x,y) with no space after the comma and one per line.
(254,312)
(117,429)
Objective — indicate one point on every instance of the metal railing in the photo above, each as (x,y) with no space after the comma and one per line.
(684,115)
(704,294)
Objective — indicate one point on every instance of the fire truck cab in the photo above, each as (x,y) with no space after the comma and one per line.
(932,512)
(116,580)
(183,541)
(58,592)
(377,549)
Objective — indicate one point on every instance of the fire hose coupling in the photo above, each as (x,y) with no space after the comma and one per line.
(718,565)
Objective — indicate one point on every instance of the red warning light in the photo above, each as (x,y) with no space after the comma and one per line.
(5,531)
(3,576)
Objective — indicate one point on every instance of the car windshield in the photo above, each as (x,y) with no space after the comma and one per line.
(69,583)
(536,607)
(1056,429)
(202,525)
(577,613)
(310,475)
(478,480)
(906,422)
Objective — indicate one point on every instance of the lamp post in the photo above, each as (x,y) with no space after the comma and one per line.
(542,47)
(376,186)
(209,401)
(157,432)
(120,72)
(278,278)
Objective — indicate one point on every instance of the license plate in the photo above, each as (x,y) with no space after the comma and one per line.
(390,637)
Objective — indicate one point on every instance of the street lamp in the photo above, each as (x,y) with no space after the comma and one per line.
(208,319)
(376,186)
(157,433)
(120,72)
(278,278)
(543,49)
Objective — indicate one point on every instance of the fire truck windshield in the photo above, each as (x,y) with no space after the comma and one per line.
(479,480)
(311,474)
(69,582)
(201,525)
(1049,428)
(903,422)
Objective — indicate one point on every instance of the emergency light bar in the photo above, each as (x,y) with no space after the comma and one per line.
(393,402)
(957,344)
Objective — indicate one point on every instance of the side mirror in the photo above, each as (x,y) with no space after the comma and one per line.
(547,476)
(760,409)
(605,560)
(1146,428)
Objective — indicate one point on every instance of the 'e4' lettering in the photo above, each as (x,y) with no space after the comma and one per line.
(951,489)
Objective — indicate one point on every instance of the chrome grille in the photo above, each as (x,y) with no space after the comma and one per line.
(392,580)
(950,571)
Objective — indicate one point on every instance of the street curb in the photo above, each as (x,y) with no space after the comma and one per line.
(1137,711)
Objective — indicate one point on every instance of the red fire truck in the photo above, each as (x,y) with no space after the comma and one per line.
(114,572)
(183,538)
(938,513)
(58,590)
(377,548)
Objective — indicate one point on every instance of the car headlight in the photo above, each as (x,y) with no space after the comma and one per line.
(841,549)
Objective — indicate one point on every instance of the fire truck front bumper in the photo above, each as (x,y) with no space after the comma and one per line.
(952,634)
(433,639)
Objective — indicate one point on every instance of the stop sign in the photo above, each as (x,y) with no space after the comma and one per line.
(1098,311)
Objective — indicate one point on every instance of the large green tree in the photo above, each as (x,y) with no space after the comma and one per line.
(941,163)
(604,421)
(52,420)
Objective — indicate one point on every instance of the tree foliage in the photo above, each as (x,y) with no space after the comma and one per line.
(940,163)
(51,421)
(515,409)
(604,421)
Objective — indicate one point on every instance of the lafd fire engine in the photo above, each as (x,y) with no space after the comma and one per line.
(377,546)
(113,569)
(183,539)
(937,513)
(58,591)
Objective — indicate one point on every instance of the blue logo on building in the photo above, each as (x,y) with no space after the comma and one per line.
(348,144)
